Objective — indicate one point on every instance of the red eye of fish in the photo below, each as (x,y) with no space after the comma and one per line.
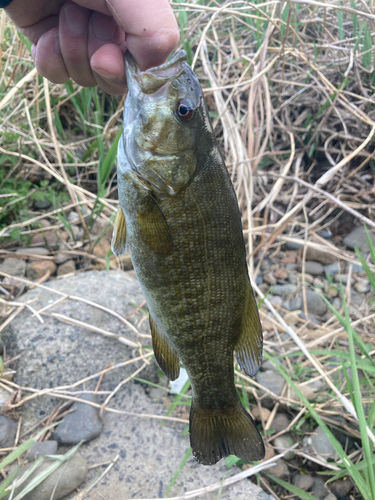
(185,109)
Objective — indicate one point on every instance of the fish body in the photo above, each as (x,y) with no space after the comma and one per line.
(180,217)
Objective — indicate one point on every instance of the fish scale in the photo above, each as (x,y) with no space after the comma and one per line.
(180,217)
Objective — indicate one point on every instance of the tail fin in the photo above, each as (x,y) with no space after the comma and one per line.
(215,434)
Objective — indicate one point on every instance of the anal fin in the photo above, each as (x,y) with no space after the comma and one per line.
(250,342)
(119,234)
(166,357)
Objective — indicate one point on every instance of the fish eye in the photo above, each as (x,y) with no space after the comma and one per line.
(185,109)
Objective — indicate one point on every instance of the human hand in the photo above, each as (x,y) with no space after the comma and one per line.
(86,39)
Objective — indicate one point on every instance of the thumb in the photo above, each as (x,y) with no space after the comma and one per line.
(151,29)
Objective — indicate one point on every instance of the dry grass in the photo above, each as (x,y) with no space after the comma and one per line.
(290,86)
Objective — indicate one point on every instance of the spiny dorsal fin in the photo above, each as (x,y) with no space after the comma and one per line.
(119,234)
(250,342)
(166,357)
(217,433)
(154,229)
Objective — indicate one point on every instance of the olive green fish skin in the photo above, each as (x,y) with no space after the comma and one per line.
(197,291)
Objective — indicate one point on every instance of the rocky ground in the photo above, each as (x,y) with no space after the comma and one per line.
(55,357)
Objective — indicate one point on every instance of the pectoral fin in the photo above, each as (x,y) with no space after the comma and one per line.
(154,229)
(166,357)
(119,234)
(249,345)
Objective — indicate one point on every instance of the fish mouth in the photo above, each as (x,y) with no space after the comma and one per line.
(152,80)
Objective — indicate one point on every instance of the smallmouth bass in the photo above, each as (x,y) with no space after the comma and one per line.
(180,218)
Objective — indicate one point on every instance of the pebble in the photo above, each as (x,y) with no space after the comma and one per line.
(306,391)
(276,300)
(13,266)
(322,445)
(258,413)
(295,303)
(312,318)
(303,481)
(281,274)
(82,424)
(73,216)
(318,283)
(264,288)
(42,204)
(32,251)
(39,268)
(289,259)
(284,290)
(356,299)
(337,303)
(270,453)
(4,396)
(356,268)
(330,496)
(331,290)
(311,267)
(358,238)
(291,267)
(62,257)
(39,449)
(271,380)
(319,256)
(325,233)
(284,442)
(102,248)
(280,470)
(8,431)
(259,280)
(292,278)
(332,269)
(362,286)
(343,278)
(66,268)
(308,278)
(49,237)
(315,304)
(270,279)
(342,487)
(268,365)
(60,483)
(156,393)
(292,318)
(318,488)
(280,422)
(290,245)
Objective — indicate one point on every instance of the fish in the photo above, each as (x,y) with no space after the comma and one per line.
(180,219)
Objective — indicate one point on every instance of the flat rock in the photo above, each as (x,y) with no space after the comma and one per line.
(60,483)
(49,238)
(284,442)
(66,268)
(321,256)
(303,481)
(318,488)
(342,487)
(358,238)
(333,268)
(32,251)
(39,449)
(56,354)
(8,431)
(83,424)
(39,268)
(280,422)
(322,445)
(311,267)
(283,290)
(62,257)
(315,303)
(13,266)
(280,470)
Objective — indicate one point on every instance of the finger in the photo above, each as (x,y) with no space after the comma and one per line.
(48,59)
(25,14)
(73,31)
(35,31)
(151,28)
(108,68)
(97,5)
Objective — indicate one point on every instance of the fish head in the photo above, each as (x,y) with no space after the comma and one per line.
(164,112)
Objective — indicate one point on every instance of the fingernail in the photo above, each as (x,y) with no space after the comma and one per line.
(103,27)
(56,44)
(105,74)
(76,20)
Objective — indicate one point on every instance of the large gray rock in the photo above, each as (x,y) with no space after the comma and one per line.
(8,431)
(60,483)
(59,354)
(83,424)
(358,238)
